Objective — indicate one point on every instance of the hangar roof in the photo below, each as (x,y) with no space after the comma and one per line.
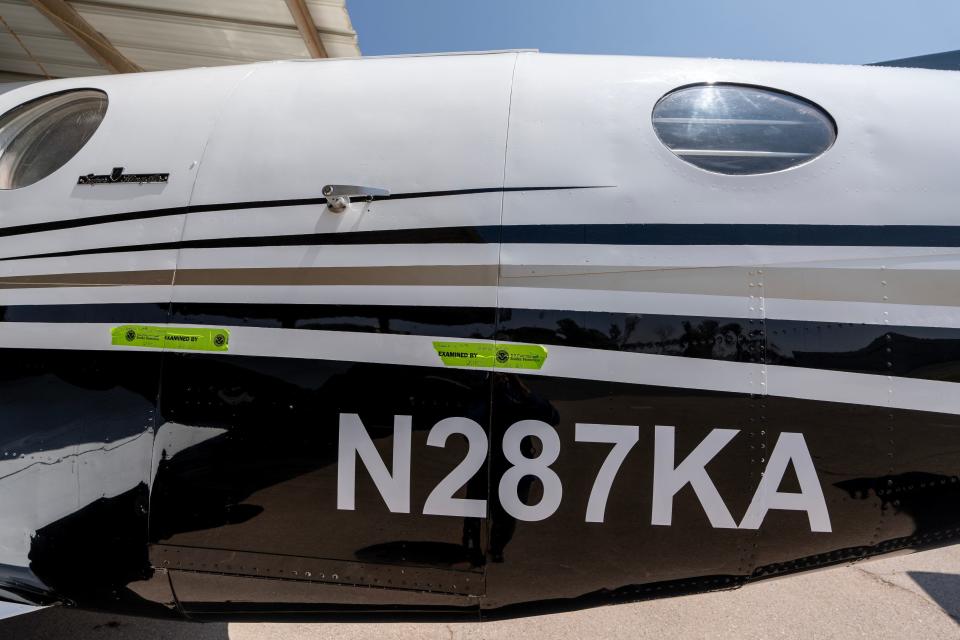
(65,38)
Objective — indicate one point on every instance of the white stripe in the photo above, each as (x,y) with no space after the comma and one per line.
(880,313)
(108,262)
(373,255)
(404,296)
(565,362)
(467,210)
(624,302)
(111,234)
(835,386)
(727,256)
(86,295)
(9,609)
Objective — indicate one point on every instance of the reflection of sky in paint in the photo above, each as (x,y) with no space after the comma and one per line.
(8,610)
(42,486)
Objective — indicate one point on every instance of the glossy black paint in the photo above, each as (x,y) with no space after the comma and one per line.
(260,488)
(564,562)
(121,313)
(243,502)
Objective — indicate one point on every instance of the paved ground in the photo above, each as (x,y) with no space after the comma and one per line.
(915,596)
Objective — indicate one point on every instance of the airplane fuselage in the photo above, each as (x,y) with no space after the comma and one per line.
(473,336)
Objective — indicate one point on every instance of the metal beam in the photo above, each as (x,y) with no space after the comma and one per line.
(71,23)
(308,30)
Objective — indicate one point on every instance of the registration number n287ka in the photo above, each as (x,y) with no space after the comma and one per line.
(669,476)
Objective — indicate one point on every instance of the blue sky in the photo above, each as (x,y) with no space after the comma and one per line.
(840,31)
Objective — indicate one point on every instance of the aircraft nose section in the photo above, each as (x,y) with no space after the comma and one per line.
(76,451)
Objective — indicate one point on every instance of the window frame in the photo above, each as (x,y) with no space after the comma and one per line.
(43,98)
(745,85)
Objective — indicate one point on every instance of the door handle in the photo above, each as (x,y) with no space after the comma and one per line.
(338,195)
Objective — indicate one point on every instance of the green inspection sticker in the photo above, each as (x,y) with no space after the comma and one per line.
(500,356)
(191,338)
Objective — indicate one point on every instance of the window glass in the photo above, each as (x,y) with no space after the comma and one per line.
(39,137)
(741,130)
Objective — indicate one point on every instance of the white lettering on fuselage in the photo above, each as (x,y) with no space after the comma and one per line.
(354,441)
(669,478)
(790,448)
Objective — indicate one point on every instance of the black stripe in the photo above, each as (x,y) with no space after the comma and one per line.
(737,234)
(602,234)
(927,353)
(120,313)
(55,225)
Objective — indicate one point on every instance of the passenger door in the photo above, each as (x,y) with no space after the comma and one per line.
(285,455)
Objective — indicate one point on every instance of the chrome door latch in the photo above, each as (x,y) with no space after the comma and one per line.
(338,195)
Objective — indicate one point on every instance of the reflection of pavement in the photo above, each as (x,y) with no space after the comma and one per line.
(910,596)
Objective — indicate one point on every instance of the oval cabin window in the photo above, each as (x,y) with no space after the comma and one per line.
(742,130)
(40,136)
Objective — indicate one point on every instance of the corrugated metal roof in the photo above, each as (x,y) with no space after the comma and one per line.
(166,34)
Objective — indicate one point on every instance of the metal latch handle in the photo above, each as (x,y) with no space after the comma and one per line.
(338,195)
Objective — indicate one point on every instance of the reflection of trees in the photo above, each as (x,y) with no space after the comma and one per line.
(692,337)
(582,336)
(713,339)
(705,338)
(932,353)
(920,352)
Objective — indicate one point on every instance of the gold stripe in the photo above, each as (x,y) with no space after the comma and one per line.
(458,276)
(909,286)
(94,279)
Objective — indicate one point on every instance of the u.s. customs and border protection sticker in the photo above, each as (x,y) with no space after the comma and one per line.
(499,356)
(190,338)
